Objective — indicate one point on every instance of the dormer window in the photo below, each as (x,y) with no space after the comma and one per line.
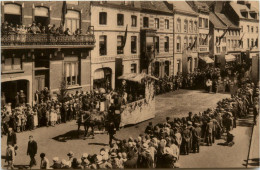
(244,14)
(253,15)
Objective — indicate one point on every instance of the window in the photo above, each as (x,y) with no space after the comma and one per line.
(185,42)
(133,68)
(252,29)
(218,49)
(12,63)
(248,28)
(190,41)
(133,44)
(185,26)
(178,25)
(120,49)
(256,29)
(12,14)
(41,15)
(195,26)
(195,62)
(248,43)
(72,20)
(228,44)
(103,45)
(224,39)
(242,44)
(120,19)
(156,23)
(134,20)
(191,26)
(232,43)
(71,72)
(166,44)
(145,22)
(167,25)
(200,22)
(156,42)
(206,23)
(179,66)
(178,44)
(252,42)
(223,49)
(102,18)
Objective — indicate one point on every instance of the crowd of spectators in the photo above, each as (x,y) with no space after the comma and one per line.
(9,28)
(161,145)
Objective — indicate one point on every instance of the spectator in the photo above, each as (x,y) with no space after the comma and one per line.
(32,150)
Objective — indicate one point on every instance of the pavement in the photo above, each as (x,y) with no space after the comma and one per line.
(59,140)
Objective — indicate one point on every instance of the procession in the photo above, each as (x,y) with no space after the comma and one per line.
(164,84)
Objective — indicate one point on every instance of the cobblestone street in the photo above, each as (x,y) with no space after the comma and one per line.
(175,104)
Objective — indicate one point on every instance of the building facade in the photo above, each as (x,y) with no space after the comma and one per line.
(113,55)
(156,29)
(31,62)
(186,31)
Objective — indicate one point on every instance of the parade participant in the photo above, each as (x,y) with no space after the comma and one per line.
(209,130)
(10,155)
(32,150)
(186,135)
(11,137)
(196,138)
(44,162)
(208,85)
(111,132)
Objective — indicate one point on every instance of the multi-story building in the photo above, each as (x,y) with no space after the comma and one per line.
(203,39)
(116,52)
(31,62)
(186,30)
(246,17)
(218,40)
(156,24)
(232,37)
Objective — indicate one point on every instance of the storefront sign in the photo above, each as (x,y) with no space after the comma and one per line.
(203,49)
(103,59)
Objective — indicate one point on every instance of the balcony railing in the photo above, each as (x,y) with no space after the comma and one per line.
(46,39)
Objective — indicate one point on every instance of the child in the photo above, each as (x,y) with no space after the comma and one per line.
(10,154)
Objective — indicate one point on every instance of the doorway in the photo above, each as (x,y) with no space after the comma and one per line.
(13,19)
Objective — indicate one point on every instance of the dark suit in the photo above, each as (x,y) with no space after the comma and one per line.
(196,139)
(32,151)
(209,132)
(11,138)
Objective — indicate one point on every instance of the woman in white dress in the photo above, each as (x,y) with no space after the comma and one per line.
(35,118)
(52,116)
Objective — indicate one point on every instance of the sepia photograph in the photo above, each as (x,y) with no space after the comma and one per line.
(129,84)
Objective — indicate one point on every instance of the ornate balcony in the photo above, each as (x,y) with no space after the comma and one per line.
(22,41)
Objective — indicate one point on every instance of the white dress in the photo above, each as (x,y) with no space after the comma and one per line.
(35,119)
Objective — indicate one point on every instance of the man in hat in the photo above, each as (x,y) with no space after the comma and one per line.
(196,138)
(186,135)
(111,132)
(32,150)
(149,129)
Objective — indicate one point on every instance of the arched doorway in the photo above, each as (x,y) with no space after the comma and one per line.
(12,14)
(10,89)
(102,78)
(167,68)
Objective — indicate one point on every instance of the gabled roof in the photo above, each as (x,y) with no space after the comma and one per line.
(216,21)
(182,6)
(155,6)
(225,20)
(238,8)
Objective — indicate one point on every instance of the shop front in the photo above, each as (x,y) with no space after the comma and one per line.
(102,78)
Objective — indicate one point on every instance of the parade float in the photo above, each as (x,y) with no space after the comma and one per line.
(143,108)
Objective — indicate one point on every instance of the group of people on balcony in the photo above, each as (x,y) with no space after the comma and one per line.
(9,28)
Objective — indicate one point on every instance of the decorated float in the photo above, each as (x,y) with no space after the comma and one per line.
(143,108)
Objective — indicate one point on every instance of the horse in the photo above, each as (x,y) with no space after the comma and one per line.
(88,119)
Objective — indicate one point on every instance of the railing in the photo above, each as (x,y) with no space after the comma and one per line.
(46,39)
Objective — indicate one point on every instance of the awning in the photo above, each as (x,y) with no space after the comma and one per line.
(99,74)
(136,77)
(207,59)
(230,57)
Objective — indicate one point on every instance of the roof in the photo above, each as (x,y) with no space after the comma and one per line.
(238,8)
(202,6)
(182,6)
(155,6)
(216,21)
(227,22)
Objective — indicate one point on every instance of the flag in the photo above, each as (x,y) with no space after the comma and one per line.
(125,37)
(193,45)
(64,12)
(222,36)
(205,39)
(240,41)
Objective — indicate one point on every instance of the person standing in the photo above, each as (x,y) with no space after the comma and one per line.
(208,85)
(111,132)
(186,140)
(196,138)
(32,150)
(11,137)
(209,131)
(10,154)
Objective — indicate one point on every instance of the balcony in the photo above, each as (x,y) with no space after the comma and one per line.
(29,41)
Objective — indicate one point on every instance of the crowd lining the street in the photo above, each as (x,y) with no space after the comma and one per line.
(161,145)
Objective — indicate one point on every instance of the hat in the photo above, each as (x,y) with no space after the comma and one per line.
(113,155)
(84,155)
(55,159)
(70,154)
(189,123)
(145,146)
(102,152)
